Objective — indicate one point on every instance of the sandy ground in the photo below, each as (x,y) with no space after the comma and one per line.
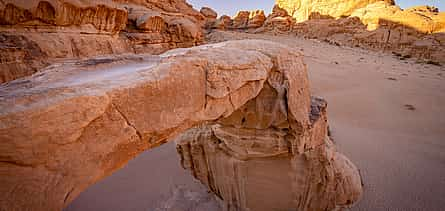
(387,115)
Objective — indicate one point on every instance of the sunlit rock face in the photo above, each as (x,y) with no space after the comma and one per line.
(65,128)
(423,19)
(273,153)
(378,25)
(36,33)
(302,9)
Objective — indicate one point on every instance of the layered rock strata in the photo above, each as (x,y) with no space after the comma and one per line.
(72,124)
(36,33)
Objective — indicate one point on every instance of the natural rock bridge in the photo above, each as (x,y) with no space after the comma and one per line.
(65,128)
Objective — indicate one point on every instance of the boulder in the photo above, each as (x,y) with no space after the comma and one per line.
(67,127)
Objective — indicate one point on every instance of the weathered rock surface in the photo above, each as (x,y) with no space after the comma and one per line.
(423,19)
(208,13)
(373,24)
(302,9)
(388,37)
(279,20)
(269,145)
(210,16)
(256,19)
(224,22)
(56,29)
(241,20)
(74,123)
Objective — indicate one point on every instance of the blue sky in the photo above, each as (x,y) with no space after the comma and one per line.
(230,7)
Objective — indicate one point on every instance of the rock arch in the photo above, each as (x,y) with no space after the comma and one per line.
(67,127)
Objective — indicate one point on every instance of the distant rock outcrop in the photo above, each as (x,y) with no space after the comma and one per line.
(210,16)
(243,20)
(373,24)
(223,23)
(35,33)
(65,128)
(301,10)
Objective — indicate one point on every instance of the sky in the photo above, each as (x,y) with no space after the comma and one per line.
(230,7)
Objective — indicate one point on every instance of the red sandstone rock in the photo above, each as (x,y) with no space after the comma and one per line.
(69,126)
(256,19)
(241,20)
(223,23)
(373,24)
(210,16)
(56,29)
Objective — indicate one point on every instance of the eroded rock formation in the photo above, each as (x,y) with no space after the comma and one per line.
(224,23)
(261,158)
(376,24)
(302,9)
(37,33)
(210,16)
(72,124)
(242,20)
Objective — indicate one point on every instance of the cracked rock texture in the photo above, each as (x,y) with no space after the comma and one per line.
(72,124)
(36,33)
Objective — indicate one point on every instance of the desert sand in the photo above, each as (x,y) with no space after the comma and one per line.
(385,114)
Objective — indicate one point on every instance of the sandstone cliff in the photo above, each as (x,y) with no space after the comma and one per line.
(72,124)
(35,33)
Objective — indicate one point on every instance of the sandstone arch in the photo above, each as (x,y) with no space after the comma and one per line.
(67,127)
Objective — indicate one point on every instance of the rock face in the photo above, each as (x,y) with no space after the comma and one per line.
(210,16)
(36,33)
(256,19)
(223,23)
(388,37)
(249,158)
(242,20)
(423,19)
(279,20)
(302,9)
(373,24)
(208,13)
(74,123)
